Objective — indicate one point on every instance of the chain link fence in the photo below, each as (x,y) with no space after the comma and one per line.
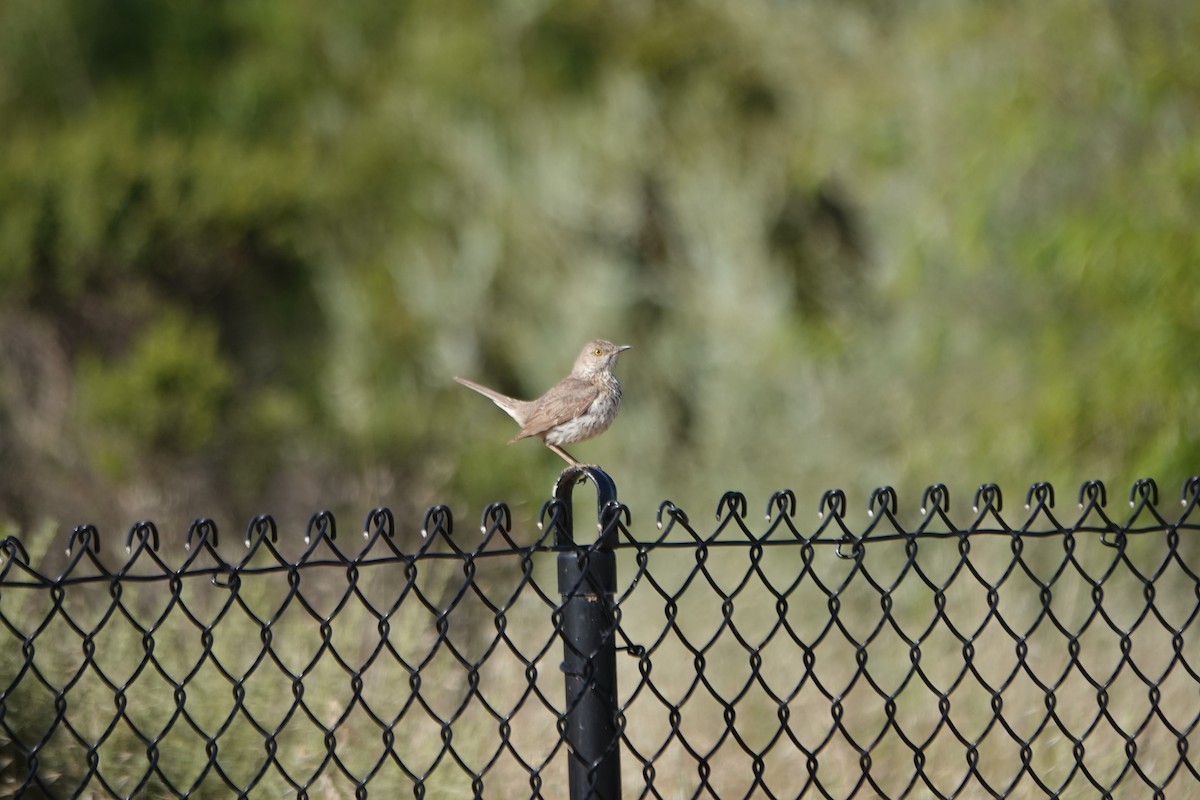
(1045,654)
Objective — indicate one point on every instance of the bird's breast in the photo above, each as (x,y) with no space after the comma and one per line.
(592,422)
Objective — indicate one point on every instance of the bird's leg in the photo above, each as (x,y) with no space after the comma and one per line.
(569,458)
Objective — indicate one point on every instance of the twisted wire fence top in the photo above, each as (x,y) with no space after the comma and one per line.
(1050,651)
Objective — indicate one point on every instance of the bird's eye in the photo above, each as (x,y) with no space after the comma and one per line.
(597,352)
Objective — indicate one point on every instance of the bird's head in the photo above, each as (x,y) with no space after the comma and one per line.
(597,356)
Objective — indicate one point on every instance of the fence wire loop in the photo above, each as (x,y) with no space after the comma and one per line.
(1143,493)
(226,577)
(261,530)
(86,536)
(497,524)
(613,516)
(833,502)
(783,502)
(936,498)
(381,522)
(204,531)
(630,648)
(1093,497)
(497,516)
(732,505)
(552,515)
(439,521)
(1143,499)
(674,513)
(988,498)
(856,547)
(11,552)
(883,500)
(321,525)
(1092,494)
(146,534)
(1190,493)
(1039,496)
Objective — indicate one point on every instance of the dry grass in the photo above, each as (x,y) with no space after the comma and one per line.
(924,668)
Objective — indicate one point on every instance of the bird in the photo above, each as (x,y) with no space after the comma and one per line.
(578,407)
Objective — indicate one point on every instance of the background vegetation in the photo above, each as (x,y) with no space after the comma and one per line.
(245,246)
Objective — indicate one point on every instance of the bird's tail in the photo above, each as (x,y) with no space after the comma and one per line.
(509,405)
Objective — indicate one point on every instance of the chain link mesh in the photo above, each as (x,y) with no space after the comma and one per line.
(758,658)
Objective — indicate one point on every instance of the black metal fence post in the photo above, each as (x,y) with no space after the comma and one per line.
(587,580)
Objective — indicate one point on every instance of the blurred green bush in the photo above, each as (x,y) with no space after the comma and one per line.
(244,246)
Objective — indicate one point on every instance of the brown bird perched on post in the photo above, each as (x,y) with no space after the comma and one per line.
(578,407)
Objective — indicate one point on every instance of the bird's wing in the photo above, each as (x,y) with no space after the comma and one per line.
(569,398)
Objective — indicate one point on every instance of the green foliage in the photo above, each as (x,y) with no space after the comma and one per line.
(168,394)
(853,243)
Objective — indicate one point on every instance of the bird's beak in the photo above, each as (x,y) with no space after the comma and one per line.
(623,347)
